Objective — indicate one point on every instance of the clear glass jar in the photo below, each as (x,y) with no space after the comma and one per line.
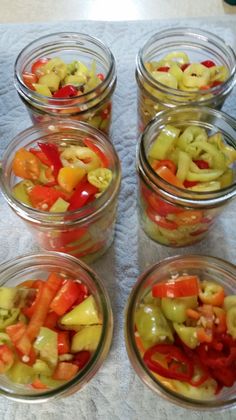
(171,215)
(94,106)
(85,233)
(199,45)
(35,266)
(214,269)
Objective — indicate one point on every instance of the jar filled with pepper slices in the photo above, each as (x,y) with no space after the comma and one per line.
(186,166)
(63,180)
(67,75)
(56,326)
(179,66)
(180,330)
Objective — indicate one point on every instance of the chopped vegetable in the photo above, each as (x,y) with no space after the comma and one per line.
(189,342)
(36,350)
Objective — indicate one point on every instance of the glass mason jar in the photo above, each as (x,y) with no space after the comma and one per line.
(38,266)
(92,106)
(85,233)
(176,216)
(205,267)
(199,45)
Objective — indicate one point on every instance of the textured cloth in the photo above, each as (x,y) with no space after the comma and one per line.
(116,392)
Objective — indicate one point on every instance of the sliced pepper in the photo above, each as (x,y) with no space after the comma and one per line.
(67,91)
(178,365)
(211,293)
(68,177)
(168,176)
(187,334)
(65,371)
(6,358)
(66,297)
(81,358)
(53,155)
(152,325)
(175,309)
(63,342)
(104,159)
(161,221)
(26,165)
(83,194)
(43,197)
(183,286)
(231,321)
(49,290)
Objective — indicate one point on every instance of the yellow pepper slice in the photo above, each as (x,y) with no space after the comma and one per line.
(68,177)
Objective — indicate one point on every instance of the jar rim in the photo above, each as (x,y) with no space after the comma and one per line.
(196,34)
(81,378)
(171,192)
(77,216)
(132,351)
(74,38)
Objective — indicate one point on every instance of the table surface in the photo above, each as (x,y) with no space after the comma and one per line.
(45,10)
(115,392)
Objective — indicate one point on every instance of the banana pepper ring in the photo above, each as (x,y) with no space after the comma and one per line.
(82,157)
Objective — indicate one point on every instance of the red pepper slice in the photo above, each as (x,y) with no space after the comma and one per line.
(65,371)
(208,63)
(179,366)
(162,207)
(29,79)
(161,221)
(49,290)
(53,155)
(63,342)
(202,164)
(184,66)
(189,184)
(42,157)
(37,65)
(201,372)
(101,76)
(168,176)
(81,358)
(29,310)
(164,69)
(83,194)
(66,297)
(90,144)
(224,357)
(6,358)
(43,197)
(37,384)
(67,91)
(216,83)
(16,331)
(51,320)
(165,162)
(225,376)
(183,286)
